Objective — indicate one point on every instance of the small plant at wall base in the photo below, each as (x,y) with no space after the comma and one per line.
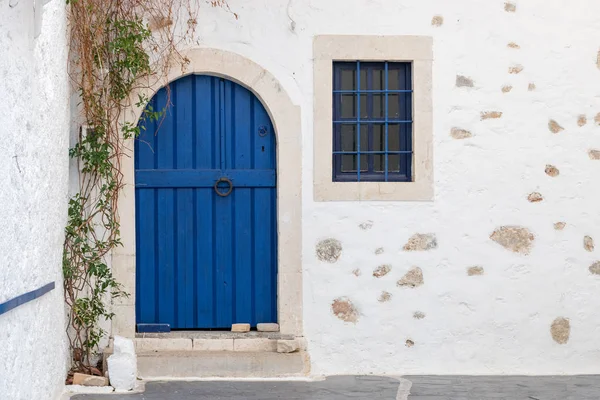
(117,48)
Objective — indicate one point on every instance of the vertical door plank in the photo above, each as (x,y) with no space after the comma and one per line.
(264,214)
(166,218)
(241,132)
(206,113)
(223,227)
(146,225)
(183,102)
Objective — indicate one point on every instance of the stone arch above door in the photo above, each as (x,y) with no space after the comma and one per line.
(286,120)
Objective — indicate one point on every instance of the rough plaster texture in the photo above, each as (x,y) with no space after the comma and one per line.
(498,324)
(34,123)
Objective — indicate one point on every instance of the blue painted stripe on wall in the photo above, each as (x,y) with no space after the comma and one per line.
(25,298)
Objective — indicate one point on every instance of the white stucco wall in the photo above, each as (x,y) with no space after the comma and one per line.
(34,123)
(498,323)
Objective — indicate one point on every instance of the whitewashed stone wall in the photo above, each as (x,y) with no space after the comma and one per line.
(34,124)
(469,304)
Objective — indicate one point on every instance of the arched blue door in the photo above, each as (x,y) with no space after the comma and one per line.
(205,193)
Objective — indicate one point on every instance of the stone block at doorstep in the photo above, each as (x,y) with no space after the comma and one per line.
(250,345)
(240,328)
(89,380)
(122,364)
(267,327)
(287,346)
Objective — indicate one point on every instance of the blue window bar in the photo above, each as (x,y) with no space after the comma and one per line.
(372,122)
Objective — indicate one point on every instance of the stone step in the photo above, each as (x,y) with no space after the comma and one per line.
(221,364)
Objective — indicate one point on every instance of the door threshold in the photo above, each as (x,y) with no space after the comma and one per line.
(214,335)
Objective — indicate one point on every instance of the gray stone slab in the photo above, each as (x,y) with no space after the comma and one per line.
(376,387)
(585,387)
(333,388)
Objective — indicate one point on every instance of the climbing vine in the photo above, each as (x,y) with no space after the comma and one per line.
(117,47)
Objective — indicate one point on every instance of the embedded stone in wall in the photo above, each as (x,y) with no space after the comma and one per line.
(329,250)
(506,89)
(594,154)
(514,238)
(559,226)
(490,115)
(588,243)
(513,45)
(412,278)
(581,120)
(157,23)
(560,330)
(384,297)
(515,69)
(421,242)
(379,250)
(473,271)
(554,126)
(597,119)
(418,315)
(535,197)
(458,133)
(463,81)
(510,7)
(551,170)
(598,60)
(382,270)
(343,308)
(365,226)
(409,343)
(531,87)
(595,268)
(357,272)
(437,20)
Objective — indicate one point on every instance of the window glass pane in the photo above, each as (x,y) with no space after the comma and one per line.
(404,76)
(379,106)
(364,137)
(364,112)
(378,137)
(393,163)
(364,163)
(348,163)
(379,78)
(394,137)
(393,82)
(378,162)
(348,106)
(406,106)
(393,106)
(348,138)
(348,78)
(363,79)
(405,137)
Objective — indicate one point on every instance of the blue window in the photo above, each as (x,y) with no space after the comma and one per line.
(372,122)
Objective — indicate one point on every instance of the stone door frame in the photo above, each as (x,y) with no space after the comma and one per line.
(286,119)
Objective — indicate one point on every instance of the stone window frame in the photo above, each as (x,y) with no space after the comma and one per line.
(415,49)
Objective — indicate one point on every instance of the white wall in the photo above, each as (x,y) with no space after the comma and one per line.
(498,323)
(34,124)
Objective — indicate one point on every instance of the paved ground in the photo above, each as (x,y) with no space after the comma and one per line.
(373,387)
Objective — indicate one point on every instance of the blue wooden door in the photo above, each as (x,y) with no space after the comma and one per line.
(206,226)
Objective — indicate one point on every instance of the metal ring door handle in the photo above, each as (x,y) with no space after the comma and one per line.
(229,190)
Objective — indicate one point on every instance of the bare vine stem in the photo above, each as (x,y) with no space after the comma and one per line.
(116,48)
